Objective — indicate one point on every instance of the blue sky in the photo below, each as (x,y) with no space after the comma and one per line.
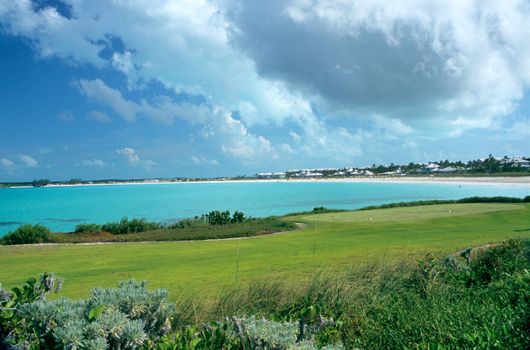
(131,89)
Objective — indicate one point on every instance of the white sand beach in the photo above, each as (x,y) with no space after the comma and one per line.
(490,181)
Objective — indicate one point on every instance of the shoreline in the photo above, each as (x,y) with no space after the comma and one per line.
(489,181)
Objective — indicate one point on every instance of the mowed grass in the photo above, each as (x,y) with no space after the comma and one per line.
(330,242)
(421,212)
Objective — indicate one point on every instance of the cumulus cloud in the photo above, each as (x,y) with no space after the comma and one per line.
(295,136)
(129,154)
(162,109)
(460,60)
(330,75)
(97,90)
(93,163)
(218,123)
(393,126)
(28,160)
(133,159)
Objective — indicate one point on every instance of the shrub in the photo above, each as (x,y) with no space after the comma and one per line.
(126,226)
(11,323)
(84,228)
(493,263)
(218,217)
(188,223)
(27,234)
(497,199)
(238,217)
(243,333)
(122,318)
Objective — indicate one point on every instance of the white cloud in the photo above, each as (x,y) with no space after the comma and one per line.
(238,142)
(409,60)
(28,160)
(149,164)
(124,63)
(129,154)
(6,163)
(97,90)
(93,163)
(98,116)
(392,125)
(161,109)
(295,136)
(132,157)
(407,67)
(218,123)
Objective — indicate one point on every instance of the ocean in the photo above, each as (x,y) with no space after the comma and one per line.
(62,208)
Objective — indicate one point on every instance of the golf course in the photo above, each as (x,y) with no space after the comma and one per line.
(329,242)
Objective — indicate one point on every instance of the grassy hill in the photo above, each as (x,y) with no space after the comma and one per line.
(329,242)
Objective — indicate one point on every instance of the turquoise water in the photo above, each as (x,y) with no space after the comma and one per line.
(61,208)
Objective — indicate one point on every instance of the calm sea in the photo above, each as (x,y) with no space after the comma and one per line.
(61,208)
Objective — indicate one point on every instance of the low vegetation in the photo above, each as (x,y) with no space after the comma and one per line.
(27,234)
(183,230)
(126,226)
(498,199)
(331,242)
(475,299)
(213,225)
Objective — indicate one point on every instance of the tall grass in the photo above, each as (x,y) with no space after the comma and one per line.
(477,299)
(431,304)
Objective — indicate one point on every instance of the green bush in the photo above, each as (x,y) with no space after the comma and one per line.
(188,223)
(497,199)
(238,217)
(27,234)
(87,228)
(218,217)
(498,261)
(215,217)
(125,226)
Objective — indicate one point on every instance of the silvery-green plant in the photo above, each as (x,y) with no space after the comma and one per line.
(121,318)
(13,327)
(263,334)
(5,295)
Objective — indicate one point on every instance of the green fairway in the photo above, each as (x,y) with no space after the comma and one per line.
(411,213)
(333,241)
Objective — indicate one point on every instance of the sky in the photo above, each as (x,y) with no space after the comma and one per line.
(96,89)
